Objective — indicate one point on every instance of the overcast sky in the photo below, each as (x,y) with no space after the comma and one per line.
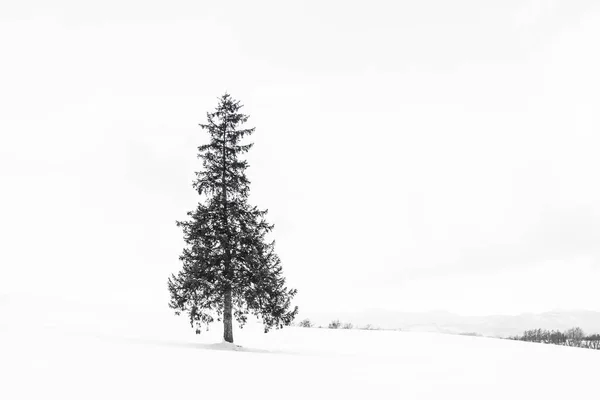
(413,155)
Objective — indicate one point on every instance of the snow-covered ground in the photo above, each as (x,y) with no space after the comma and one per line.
(53,349)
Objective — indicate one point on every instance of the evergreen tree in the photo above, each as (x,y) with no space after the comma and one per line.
(229,268)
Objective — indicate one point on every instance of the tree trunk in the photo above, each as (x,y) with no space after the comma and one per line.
(227,317)
(227,302)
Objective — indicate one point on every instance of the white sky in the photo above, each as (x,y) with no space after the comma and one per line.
(413,155)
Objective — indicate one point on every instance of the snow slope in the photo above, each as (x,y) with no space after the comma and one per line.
(59,350)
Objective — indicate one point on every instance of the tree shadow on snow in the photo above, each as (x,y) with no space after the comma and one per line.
(223,346)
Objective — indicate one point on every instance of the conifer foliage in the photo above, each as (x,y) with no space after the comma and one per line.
(229,268)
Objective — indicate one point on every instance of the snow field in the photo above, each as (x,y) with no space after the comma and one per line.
(81,352)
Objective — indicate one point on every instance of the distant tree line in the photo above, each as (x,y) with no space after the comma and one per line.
(574,337)
(471,334)
(337,324)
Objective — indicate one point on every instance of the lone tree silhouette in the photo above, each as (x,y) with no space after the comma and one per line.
(229,268)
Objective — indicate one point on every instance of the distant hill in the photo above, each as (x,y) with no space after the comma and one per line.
(445,322)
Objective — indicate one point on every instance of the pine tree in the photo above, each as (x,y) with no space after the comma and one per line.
(229,269)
